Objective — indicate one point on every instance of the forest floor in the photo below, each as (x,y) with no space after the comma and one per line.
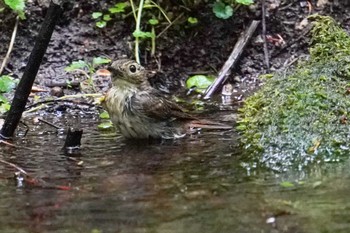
(183,49)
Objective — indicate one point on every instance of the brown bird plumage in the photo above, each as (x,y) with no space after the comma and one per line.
(140,111)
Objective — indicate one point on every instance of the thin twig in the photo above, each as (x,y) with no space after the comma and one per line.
(64,99)
(233,58)
(21,170)
(169,25)
(48,123)
(63,84)
(27,128)
(33,107)
(133,9)
(7,143)
(266,51)
(4,63)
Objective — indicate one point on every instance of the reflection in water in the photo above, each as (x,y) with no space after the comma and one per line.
(197,184)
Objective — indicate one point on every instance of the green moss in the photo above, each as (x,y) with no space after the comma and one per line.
(301,116)
(329,40)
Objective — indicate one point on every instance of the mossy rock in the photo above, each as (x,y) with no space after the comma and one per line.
(301,116)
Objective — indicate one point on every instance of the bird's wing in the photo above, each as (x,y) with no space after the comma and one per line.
(156,106)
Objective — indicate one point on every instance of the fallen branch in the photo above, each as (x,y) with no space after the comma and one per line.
(25,85)
(232,60)
(7,57)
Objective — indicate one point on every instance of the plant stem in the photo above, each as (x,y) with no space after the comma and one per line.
(162,11)
(133,9)
(11,45)
(153,48)
(138,23)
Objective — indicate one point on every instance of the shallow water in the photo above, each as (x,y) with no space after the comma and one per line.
(197,184)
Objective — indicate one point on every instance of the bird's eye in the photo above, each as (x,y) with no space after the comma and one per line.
(132,68)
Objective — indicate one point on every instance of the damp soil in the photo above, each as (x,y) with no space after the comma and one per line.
(182,50)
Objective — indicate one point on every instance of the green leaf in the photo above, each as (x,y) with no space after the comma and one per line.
(192,20)
(104,115)
(287,184)
(101,24)
(7,83)
(153,21)
(105,125)
(141,34)
(100,60)
(17,6)
(4,107)
(222,11)
(3,99)
(245,2)
(96,15)
(118,8)
(202,82)
(4,104)
(2,9)
(76,65)
(107,17)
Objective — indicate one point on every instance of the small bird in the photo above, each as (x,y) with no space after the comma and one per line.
(140,111)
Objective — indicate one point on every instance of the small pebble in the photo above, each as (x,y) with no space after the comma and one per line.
(271,220)
(57,91)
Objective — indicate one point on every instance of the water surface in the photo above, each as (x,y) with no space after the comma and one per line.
(197,184)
